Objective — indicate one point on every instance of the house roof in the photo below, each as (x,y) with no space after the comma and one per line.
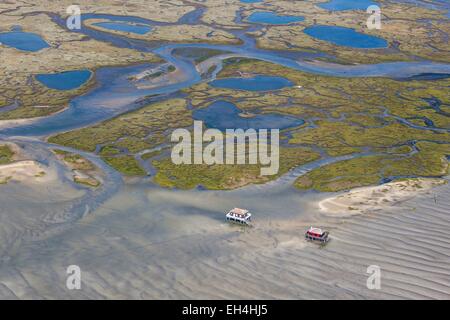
(315,230)
(239,211)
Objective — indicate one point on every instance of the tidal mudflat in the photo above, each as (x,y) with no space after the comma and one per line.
(86,175)
(138,234)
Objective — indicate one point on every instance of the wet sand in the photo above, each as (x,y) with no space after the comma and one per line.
(12,123)
(146,242)
(375,198)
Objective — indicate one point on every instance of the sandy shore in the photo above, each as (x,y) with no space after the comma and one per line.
(375,198)
(14,122)
(21,171)
(144,242)
(147,243)
(9,123)
(165,79)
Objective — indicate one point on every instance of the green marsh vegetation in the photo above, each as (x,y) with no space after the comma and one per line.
(344,116)
(6,154)
(76,161)
(122,137)
(411,31)
(220,177)
(83,169)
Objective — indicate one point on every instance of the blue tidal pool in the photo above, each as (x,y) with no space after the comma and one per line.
(68,80)
(268,17)
(341,5)
(125,27)
(347,37)
(24,41)
(251,1)
(224,115)
(257,83)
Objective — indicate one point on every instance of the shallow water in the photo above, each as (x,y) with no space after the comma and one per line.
(125,27)
(267,17)
(68,80)
(25,41)
(113,94)
(192,17)
(428,77)
(224,115)
(345,37)
(341,5)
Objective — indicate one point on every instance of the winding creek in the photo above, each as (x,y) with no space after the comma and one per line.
(106,101)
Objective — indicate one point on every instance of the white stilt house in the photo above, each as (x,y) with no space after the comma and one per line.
(239,216)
